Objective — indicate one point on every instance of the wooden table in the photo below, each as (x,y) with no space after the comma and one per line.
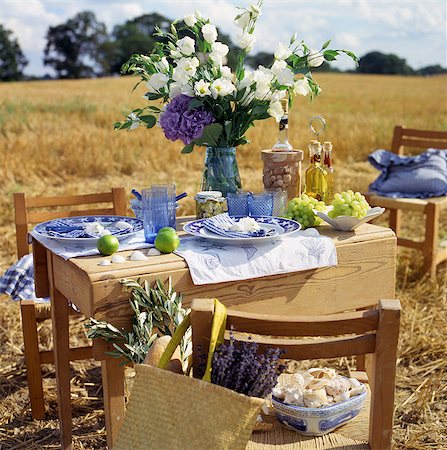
(365,274)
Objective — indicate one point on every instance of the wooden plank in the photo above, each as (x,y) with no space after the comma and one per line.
(114,405)
(119,201)
(410,204)
(21,223)
(431,134)
(32,359)
(41,283)
(409,243)
(43,216)
(396,221)
(319,348)
(396,145)
(365,273)
(294,326)
(69,200)
(74,354)
(423,143)
(384,375)
(430,246)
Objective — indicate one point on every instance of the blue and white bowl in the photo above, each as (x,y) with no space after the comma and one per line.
(318,421)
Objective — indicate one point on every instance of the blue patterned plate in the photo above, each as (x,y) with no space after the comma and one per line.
(282,227)
(85,229)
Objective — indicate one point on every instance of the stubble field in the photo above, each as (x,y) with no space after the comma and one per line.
(56,137)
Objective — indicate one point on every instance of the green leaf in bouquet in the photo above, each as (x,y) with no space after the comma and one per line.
(149,120)
(330,55)
(188,148)
(153,96)
(210,136)
(195,103)
(326,44)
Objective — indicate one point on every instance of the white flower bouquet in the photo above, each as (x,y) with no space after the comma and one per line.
(205,102)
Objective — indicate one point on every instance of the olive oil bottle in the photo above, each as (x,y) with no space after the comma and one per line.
(316,183)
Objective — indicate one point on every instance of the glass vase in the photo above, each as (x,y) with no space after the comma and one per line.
(221,172)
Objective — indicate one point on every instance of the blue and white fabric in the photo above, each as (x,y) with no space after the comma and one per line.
(215,225)
(69,250)
(210,262)
(18,281)
(420,176)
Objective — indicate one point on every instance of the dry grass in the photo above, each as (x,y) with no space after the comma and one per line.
(56,137)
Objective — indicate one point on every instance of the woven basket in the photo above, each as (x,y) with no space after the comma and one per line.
(167,411)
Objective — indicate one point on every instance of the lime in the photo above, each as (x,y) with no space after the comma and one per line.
(167,240)
(107,244)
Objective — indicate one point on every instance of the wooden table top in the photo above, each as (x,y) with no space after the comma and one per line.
(88,265)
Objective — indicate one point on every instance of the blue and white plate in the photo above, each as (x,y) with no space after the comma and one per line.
(282,227)
(76,229)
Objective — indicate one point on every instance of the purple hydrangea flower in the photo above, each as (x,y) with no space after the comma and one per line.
(179,123)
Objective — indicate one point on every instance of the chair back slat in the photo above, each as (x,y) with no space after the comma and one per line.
(409,137)
(25,213)
(326,348)
(328,325)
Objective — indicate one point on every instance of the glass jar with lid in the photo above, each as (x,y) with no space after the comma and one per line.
(209,204)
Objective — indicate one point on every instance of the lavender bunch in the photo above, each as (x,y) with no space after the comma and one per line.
(238,366)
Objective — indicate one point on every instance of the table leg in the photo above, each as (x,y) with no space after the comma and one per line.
(59,313)
(113,387)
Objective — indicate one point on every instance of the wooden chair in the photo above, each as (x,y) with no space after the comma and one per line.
(373,332)
(33,313)
(431,207)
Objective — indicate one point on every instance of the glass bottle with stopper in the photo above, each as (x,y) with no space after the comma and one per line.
(283,144)
(327,160)
(316,174)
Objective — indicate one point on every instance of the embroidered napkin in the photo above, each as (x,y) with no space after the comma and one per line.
(211,262)
(71,250)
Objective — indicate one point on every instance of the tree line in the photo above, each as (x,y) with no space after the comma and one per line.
(82,47)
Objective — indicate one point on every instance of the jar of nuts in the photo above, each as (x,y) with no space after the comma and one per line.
(209,204)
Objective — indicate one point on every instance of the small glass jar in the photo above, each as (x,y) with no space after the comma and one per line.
(209,204)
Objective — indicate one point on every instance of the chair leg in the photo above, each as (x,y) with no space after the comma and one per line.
(32,359)
(395,220)
(431,238)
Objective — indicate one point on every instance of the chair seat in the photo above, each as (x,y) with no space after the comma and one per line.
(352,436)
(412,204)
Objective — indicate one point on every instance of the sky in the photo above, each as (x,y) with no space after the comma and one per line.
(413,29)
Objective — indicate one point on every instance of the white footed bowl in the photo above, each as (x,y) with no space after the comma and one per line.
(349,223)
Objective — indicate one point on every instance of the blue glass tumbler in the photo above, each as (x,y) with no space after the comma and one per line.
(237,203)
(260,204)
(158,210)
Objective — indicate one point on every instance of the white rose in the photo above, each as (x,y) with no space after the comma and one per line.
(263,75)
(263,91)
(188,90)
(301,87)
(315,58)
(282,52)
(275,110)
(186,46)
(286,77)
(209,33)
(221,87)
(243,21)
(247,81)
(278,66)
(202,88)
(226,72)
(175,54)
(174,90)
(254,10)
(246,41)
(180,76)
(157,81)
(188,66)
(190,20)
(135,121)
(277,96)
(218,52)
(162,65)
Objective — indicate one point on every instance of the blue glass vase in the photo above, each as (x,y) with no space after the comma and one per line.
(220,172)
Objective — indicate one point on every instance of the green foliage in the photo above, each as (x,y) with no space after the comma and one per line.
(73,48)
(12,59)
(380,63)
(157,311)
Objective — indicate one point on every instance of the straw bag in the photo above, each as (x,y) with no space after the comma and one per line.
(167,411)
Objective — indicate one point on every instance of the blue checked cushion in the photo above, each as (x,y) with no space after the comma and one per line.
(420,176)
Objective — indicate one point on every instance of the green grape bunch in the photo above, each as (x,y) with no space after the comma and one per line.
(349,204)
(302,208)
